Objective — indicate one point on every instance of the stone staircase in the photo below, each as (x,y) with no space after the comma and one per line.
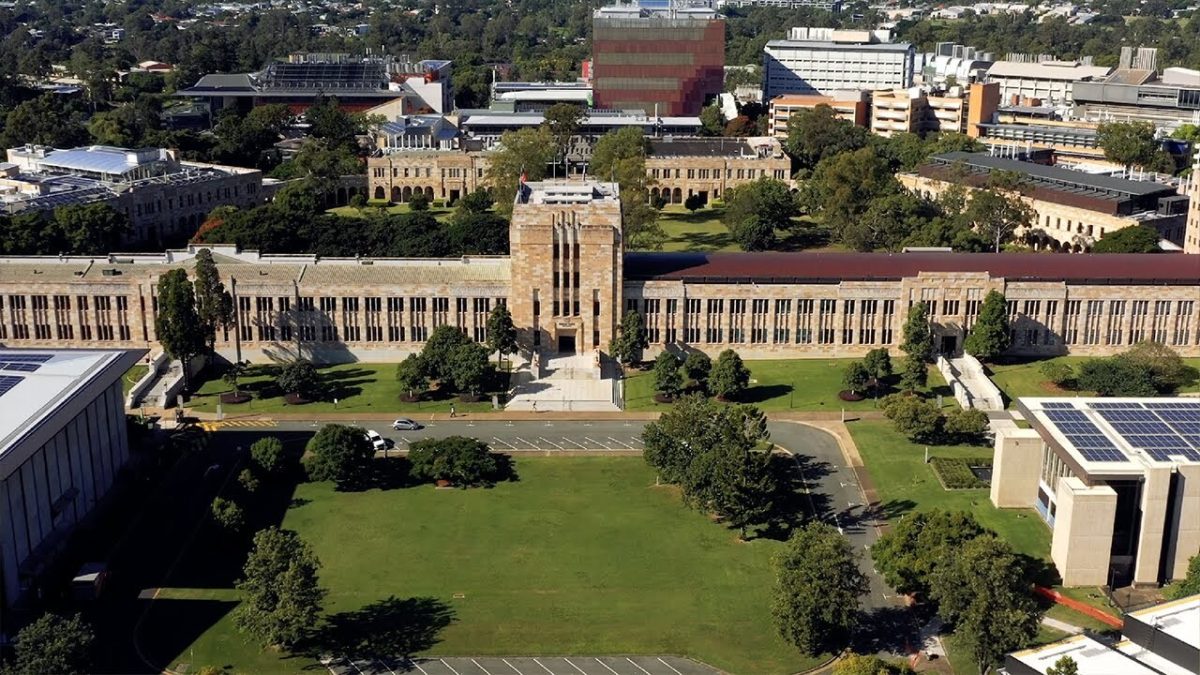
(570,383)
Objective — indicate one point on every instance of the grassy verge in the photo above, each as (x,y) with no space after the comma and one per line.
(131,378)
(580,556)
(785,384)
(438,212)
(357,387)
(1024,378)
(703,230)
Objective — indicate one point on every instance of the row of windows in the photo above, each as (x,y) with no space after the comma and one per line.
(713,174)
(769,321)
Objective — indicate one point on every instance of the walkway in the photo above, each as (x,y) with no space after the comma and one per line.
(983,393)
(566,383)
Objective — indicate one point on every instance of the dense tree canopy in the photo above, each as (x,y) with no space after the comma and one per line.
(818,589)
(621,156)
(280,597)
(339,453)
(1134,239)
(463,462)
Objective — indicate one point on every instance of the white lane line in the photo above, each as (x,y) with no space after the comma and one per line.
(627,447)
(353,663)
(512,666)
(669,666)
(504,443)
(485,670)
(543,666)
(578,668)
(386,666)
(636,441)
(418,667)
(547,440)
(635,665)
(327,661)
(581,447)
(592,440)
(522,440)
(606,666)
(449,666)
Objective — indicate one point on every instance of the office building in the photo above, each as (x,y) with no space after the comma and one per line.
(1031,82)
(1167,100)
(660,61)
(165,199)
(851,106)
(1191,241)
(956,110)
(820,61)
(1117,479)
(63,443)
(1159,640)
(834,6)
(522,97)
(1072,209)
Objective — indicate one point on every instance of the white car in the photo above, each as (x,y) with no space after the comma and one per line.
(376,440)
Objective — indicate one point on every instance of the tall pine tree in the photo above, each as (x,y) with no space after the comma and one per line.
(989,336)
(177,324)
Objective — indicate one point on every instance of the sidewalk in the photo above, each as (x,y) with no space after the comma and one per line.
(498,416)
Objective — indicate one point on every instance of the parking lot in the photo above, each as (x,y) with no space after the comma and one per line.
(523,665)
(549,442)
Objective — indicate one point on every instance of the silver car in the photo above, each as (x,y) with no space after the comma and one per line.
(405,424)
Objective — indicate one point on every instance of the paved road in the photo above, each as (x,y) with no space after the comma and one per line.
(524,665)
(832,492)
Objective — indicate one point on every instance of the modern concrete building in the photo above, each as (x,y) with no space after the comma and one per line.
(956,110)
(851,106)
(525,97)
(662,61)
(1073,209)
(62,445)
(1038,82)
(1159,640)
(1117,480)
(834,6)
(165,199)
(820,61)
(1167,101)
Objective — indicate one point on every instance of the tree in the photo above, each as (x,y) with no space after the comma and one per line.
(1189,585)
(91,229)
(358,201)
(913,416)
(339,453)
(621,156)
(754,234)
(744,486)
(248,481)
(844,187)
(478,201)
(1168,372)
(878,364)
(626,347)
(563,120)
(818,589)
(767,199)
(913,374)
(697,366)
(267,454)
(299,377)
(729,376)
(228,516)
(329,122)
(917,543)
(234,373)
(469,367)
(1061,374)
(177,324)
(989,337)
(983,590)
(997,216)
(817,133)
(867,664)
(1133,239)
(501,334)
(856,377)
(966,424)
(712,122)
(54,644)
(693,202)
(410,374)
(437,353)
(667,378)
(918,340)
(523,153)
(1115,377)
(1128,143)
(462,461)
(418,202)
(280,596)
(1064,666)
(691,429)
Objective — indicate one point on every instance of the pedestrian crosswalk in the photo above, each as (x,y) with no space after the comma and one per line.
(238,424)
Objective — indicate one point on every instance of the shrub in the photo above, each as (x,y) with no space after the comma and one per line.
(299,377)
(856,377)
(1116,377)
(461,461)
(666,374)
(913,416)
(248,481)
(729,376)
(1057,372)
(955,472)
(267,455)
(878,363)
(228,515)
(968,425)
(697,366)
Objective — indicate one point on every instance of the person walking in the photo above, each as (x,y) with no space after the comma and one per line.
(451,410)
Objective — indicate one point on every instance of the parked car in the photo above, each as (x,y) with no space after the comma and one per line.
(405,424)
(376,440)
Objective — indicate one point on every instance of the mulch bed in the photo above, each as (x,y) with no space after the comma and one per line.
(664,398)
(295,399)
(847,395)
(234,399)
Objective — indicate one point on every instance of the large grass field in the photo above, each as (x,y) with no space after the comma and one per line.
(703,231)
(1024,378)
(784,384)
(578,556)
(358,387)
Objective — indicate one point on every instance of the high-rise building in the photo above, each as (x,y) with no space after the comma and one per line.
(823,60)
(1191,238)
(664,62)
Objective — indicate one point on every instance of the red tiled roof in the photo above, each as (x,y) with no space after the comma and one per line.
(1165,268)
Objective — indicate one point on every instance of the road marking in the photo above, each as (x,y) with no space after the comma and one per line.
(543,666)
(386,666)
(627,447)
(549,424)
(485,670)
(418,667)
(635,665)
(605,665)
(512,666)
(592,440)
(504,443)
(581,447)
(578,668)
(669,666)
(522,440)
(351,661)
(449,666)
(636,441)
(556,445)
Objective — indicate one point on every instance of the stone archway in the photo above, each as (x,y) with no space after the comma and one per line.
(406,194)
(379,192)
(677,196)
(429,193)
(395,193)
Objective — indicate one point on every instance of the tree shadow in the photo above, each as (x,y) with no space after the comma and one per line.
(885,629)
(801,237)
(765,392)
(888,511)
(385,629)
(704,241)
(796,499)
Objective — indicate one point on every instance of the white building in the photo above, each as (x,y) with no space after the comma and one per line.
(62,443)
(823,60)
(1051,82)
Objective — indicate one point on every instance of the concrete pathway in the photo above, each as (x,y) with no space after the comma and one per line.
(1065,627)
(984,393)
(566,383)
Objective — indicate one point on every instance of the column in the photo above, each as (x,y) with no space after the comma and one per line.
(1155,492)
(1017,464)
(1083,527)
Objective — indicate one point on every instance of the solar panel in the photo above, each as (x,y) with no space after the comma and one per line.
(1128,415)
(28,358)
(1115,405)
(1173,405)
(7,382)
(1060,416)
(20,367)
(1058,405)
(1138,428)
(1186,428)
(1180,415)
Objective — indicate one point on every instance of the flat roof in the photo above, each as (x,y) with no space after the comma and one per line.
(1118,436)
(842,46)
(34,383)
(1054,174)
(832,268)
(1091,656)
(1179,618)
(1049,70)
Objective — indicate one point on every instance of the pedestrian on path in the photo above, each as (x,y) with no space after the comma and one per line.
(452,410)
(534,406)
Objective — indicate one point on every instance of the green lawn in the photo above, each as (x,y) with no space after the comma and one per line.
(349,211)
(784,384)
(580,556)
(131,378)
(1024,378)
(703,230)
(358,387)
(964,662)
(905,483)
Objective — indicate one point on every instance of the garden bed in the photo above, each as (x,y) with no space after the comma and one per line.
(234,399)
(960,473)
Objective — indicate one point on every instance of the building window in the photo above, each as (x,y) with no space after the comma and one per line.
(737,321)
(716,308)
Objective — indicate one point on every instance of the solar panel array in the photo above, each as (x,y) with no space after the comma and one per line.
(22,363)
(1166,430)
(7,382)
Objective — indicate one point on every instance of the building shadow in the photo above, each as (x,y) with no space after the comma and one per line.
(173,625)
(386,629)
(765,392)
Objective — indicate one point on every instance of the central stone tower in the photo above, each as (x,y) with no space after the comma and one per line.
(566,251)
